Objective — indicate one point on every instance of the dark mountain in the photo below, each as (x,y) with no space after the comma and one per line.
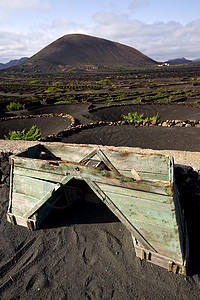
(196,59)
(181,60)
(83,51)
(1,66)
(12,63)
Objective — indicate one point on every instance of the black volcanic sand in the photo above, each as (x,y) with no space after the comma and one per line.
(156,138)
(165,112)
(116,112)
(126,135)
(84,252)
(47,125)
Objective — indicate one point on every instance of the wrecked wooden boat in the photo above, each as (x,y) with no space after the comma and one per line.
(138,188)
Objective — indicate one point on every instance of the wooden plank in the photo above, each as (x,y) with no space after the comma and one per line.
(98,155)
(155,167)
(11,187)
(157,164)
(55,177)
(39,203)
(69,153)
(89,156)
(144,210)
(77,170)
(146,186)
(175,255)
(120,215)
(107,161)
(164,240)
(135,174)
(30,186)
(21,203)
(135,193)
(23,198)
(146,175)
(158,259)
(179,218)
(40,174)
(150,166)
(149,163)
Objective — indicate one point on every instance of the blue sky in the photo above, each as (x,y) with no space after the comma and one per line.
(160,29)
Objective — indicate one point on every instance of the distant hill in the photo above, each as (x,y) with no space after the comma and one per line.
(1,66)
(181,60)
(86,52)
(196,60)
(12,63)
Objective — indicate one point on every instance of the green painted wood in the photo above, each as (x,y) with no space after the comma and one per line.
(69,153)
(40,174)
(21,203)
(40,202)
(146,175)
(31,186)
(155,221)
(153,164)
(66,152)
(120,215)
(144,195)
(144,210)
(148,166)
(166,242)
(149,208)
(80,171)
(24,198)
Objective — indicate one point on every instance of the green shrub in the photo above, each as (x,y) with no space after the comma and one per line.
(57,83)
(136,117)
(136,100)
(32,135)
(152,118)
(14,106)
(178,92)
(53,89)
(106,81)
(62,102)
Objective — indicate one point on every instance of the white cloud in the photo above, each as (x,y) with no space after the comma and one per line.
(13,5)
(138,3)
(160,41)
(16,45)
(65,25)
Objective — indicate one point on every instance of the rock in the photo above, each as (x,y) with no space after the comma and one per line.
(90,106)
(172,122)
(179,125)
(154,122)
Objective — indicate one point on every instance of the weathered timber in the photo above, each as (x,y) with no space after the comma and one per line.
(138,188)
